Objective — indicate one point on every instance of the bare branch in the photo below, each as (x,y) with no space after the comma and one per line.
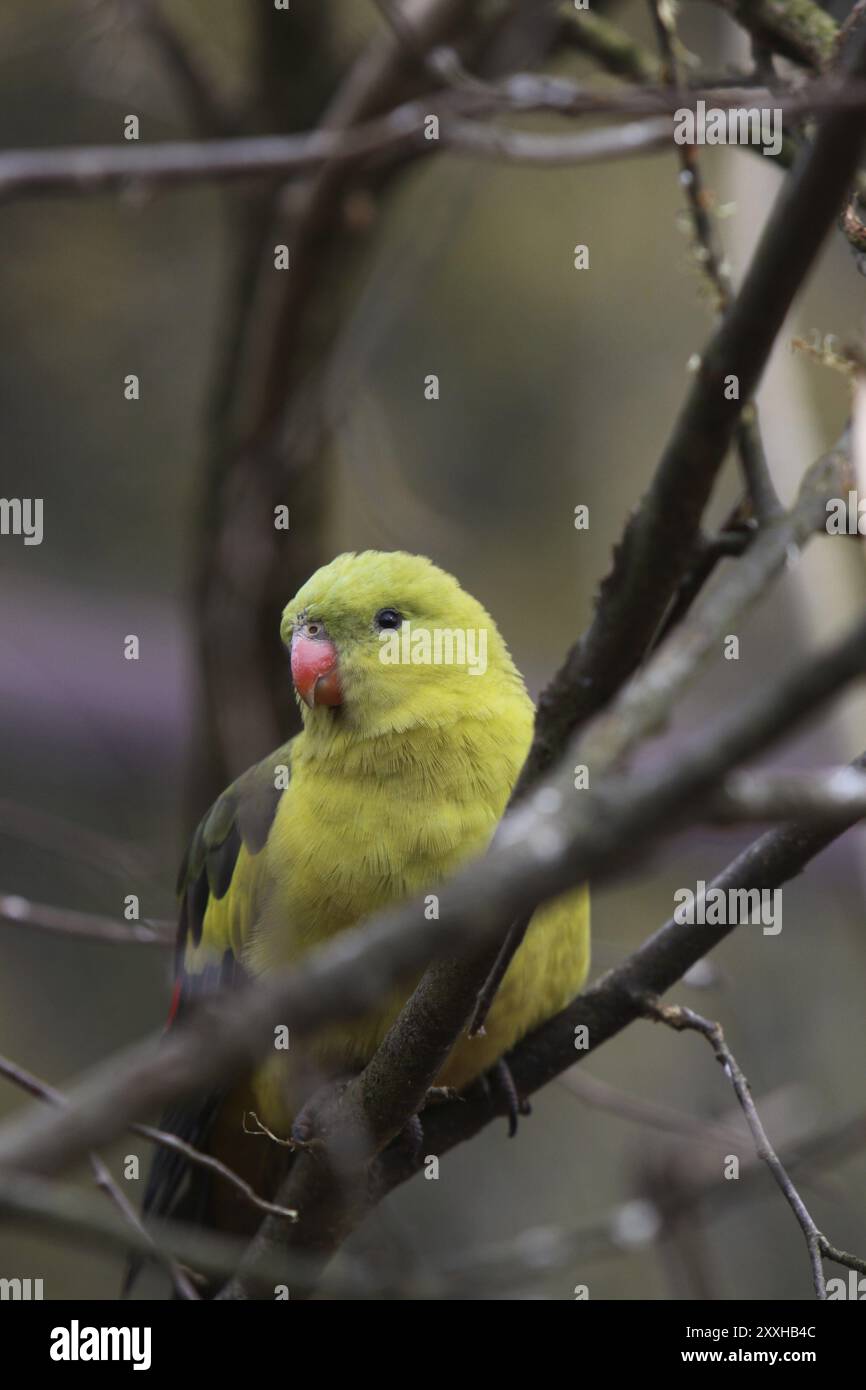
(68,1212)
(599,1095)
(595,833)
(609,45)
(759,483)
(27,1081)
(614,1002)
(797,29)
(87,169)
(103,1179)
(680,1018)
(828,794)
(65,922)
(645,702)
(211,112)
(660,536)
(371,1110)
(60,836)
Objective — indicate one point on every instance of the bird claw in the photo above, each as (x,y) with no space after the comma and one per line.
(499,1078)
(411,1137)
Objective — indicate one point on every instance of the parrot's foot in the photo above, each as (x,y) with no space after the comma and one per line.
(499,1081)
(411,1137)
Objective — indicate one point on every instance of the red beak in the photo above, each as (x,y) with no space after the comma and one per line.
(315,670)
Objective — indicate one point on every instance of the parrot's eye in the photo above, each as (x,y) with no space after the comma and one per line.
(313,629)
(388,617)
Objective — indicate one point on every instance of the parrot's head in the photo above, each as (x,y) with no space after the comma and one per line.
(383,641)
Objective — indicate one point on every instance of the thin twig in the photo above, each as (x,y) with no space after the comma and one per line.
(825,794)
(63,921)
(372,1108)
(645,702)
(211,112)
(801,31)
(31,1083)
(102,1177)
(714,266)
(86,169)
(66,1212)
(59,836)
(613,1002)
(609,45)
(681,1018)
(596,832)
(655,1115)
(67,923)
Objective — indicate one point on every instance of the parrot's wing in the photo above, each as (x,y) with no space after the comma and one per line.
(218,869)
(218,887)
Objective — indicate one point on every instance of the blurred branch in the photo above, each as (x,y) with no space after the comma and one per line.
(211,111)
(733,538)
(628,1228)
(65,922)
(66,1211)
(803,32)
(42,1091)
(714,267)
(103,1179)
(680,1018)
(371,1110)
(644,704)
(86,169)
(796,29)
(614,1002)
(552,841)
(596,832)
(612,47)
(67,838)
(268,423)
(825,794)
(653,1114)
(661,534)
(92,169)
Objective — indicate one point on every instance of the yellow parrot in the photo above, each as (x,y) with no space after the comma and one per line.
(415,725)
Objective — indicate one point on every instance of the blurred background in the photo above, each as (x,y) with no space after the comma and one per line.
(557,388)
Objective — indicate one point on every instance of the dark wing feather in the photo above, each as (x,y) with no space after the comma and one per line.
(243,815)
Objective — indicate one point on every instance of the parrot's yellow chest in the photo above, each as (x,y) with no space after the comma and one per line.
(344,846)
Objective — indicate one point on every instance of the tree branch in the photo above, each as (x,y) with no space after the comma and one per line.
(545,848)
(64,922)
(104,1181)
(680,1018)
(360,1120)
(614,1001)
(88,169)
